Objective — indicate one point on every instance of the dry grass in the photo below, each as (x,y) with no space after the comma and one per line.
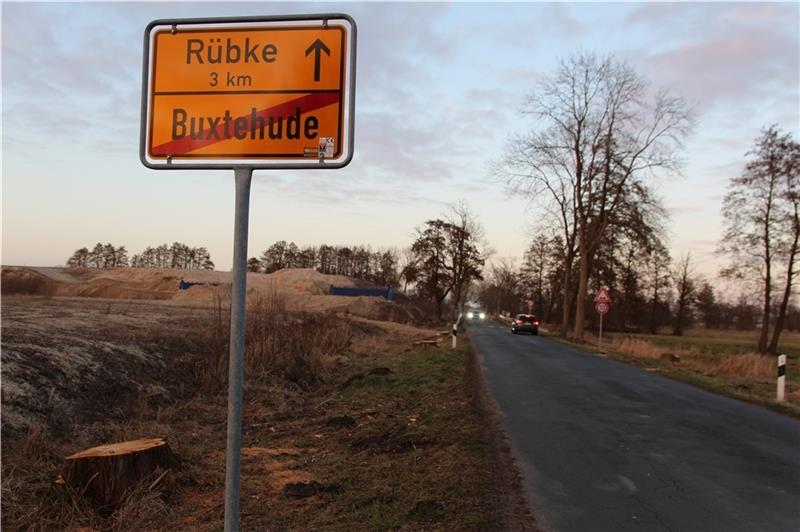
(643,349)
(297,347)
(716,360)
(747,366)
(414,458)
(26,283)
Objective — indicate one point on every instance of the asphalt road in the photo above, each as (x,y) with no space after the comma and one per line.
(607,447)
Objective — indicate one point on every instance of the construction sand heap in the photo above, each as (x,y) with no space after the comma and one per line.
(300,289)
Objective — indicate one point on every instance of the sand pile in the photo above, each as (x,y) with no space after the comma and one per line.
(301,289)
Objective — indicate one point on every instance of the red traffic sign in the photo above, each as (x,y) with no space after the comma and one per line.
(602,308)
(530,302)
(603,296)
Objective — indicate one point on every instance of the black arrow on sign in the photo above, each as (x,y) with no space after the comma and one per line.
(317,47)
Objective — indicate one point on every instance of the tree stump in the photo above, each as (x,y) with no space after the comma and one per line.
(106,472)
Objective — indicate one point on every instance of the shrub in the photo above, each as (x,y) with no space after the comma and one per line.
(24,283)
(293,346)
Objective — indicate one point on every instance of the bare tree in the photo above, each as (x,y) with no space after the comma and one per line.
(536,264)
(602,134)
(79,259)
(684,294)
(253,265)
(467,251)
(788,249)
(760,217)
(409,271)
(447,258)
(506,280)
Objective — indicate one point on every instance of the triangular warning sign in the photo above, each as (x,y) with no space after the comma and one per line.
(602,296)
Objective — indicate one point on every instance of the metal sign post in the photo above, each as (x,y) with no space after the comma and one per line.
(246,93)
(243,178)
(602,309)
(600,337)
(602,304)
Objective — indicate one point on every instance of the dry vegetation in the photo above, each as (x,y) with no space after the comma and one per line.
(346,425)
(721,361)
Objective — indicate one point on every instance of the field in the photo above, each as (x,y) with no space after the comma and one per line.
(348,423)
(721,361)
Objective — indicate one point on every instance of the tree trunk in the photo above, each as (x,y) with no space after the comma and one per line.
(565,312)
(580,303)
(106,472)
(762,338)
(654,308)
(787,294)
(456,303)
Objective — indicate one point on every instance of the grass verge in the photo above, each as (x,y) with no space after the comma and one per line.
(718,361)
(397,444)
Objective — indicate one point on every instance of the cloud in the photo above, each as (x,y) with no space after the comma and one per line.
(398,60)
(734,67)
(717,54)
(561,20)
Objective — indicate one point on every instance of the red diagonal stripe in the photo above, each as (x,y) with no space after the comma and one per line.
(307,103)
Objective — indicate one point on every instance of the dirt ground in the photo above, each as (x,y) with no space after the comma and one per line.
(387,437)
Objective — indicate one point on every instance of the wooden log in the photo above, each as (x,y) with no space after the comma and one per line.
(427,342)
(106,472)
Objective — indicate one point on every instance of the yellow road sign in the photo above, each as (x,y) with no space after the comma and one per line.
(259,92)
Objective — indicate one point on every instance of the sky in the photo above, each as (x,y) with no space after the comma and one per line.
(439,94)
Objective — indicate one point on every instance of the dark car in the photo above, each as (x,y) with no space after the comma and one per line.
(525,323)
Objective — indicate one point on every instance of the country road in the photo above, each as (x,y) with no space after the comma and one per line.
(603,446)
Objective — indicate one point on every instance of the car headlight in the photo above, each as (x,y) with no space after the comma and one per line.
(470,315)
(483,315)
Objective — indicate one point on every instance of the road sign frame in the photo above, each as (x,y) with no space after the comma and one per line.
(602,307)
(603,296)
(347,101)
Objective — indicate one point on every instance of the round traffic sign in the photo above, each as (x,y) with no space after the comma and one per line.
(602,308)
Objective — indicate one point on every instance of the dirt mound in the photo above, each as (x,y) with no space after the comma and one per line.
(26,281)
(61,360)
(311,281)
(302,289)
(89,360)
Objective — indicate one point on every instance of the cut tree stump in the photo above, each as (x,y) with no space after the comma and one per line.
(106,472)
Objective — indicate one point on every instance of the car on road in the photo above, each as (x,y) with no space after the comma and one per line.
(525,323)
(476,314)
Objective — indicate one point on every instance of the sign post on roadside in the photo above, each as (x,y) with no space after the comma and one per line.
(602,304)
(242,94)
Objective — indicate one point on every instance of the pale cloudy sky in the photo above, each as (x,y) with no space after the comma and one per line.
(439,89)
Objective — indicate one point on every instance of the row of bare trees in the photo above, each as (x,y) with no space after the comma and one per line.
(100,256)
(360,262)
(178,255)
(762,228)
(669,295)
(447,255)
(600,136)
